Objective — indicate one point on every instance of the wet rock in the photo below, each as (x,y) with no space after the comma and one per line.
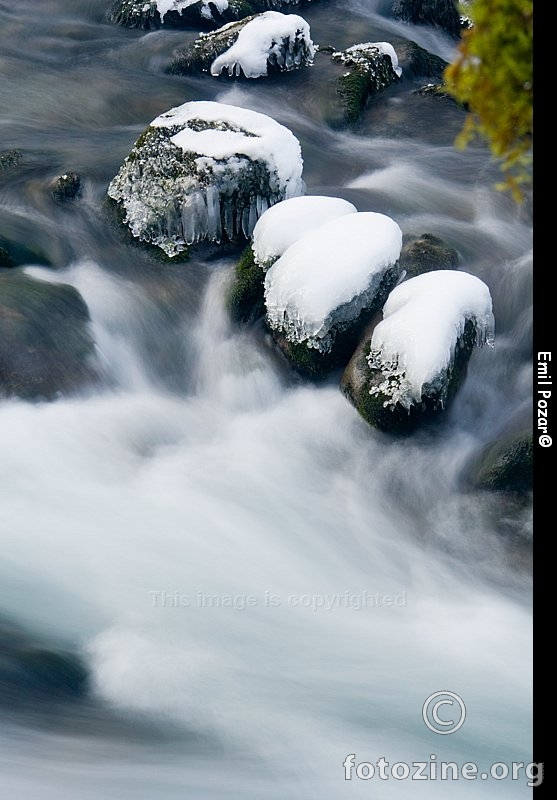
(30,669)
(46,347)
(369,68)
(5,259)
(442,14)
(437,91)
(505,464)
(245,299)
(205,172)
(425,254)
(419,63)
(10,158)
(68,186)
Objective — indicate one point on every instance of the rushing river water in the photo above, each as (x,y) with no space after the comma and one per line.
(258,583)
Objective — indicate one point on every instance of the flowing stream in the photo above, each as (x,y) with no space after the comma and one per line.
(258,582)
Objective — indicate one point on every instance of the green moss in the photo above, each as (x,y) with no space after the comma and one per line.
(396,418)
(369,71)
(245,299)
(354,91)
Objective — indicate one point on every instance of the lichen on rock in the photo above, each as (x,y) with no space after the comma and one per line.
(205,171)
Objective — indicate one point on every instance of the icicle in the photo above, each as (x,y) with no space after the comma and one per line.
(214,231)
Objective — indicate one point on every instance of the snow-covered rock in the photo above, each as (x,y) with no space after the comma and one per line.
(419,351)
(253,47)
(270,42)
(276,230)
(370,68)
(150,14)
(319,293)
(283,224)
(206,171)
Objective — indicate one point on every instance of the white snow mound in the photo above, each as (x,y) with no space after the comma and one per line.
(423,319)
(360,53)
(238,131)
(164,6)
(284,223)
(329,275)
(262,41)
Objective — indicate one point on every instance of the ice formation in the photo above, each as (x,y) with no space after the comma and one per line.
(286,222)
(329,276)
(205,170)
(164,6)
(423,319)
(268,41)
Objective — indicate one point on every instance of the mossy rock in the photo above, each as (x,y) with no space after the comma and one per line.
(505,465)
(368,71)
(442,14)
(416,62)
(313,363)
(246,297)
(46,346)
(427,253)
(359,380)
(199,55)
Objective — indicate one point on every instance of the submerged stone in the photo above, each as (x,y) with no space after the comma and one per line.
(419,63)
(46,346)
(505,464)
(68,186)
(205,171)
